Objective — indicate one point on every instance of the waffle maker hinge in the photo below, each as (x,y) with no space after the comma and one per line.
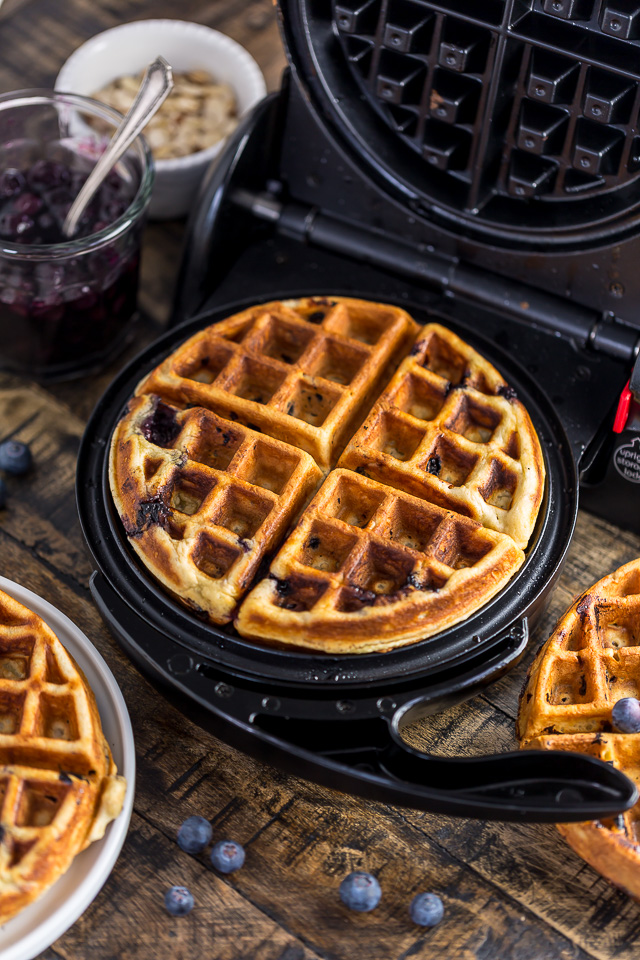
(589,328)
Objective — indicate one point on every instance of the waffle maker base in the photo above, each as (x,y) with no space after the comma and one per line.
(339,720)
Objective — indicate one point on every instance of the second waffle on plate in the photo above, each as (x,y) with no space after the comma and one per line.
(426,470)
(59,787)
(591,661)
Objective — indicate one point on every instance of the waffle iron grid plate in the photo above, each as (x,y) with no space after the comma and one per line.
(490,103)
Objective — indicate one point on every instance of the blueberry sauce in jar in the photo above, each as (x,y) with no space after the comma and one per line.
(59,312)
(34,202)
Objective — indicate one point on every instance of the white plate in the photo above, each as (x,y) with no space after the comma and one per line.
(36,927)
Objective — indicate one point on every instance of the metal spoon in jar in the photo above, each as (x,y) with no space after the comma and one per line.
(156,86)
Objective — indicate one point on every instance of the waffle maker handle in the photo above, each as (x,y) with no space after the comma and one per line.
(532,785)
(368,756)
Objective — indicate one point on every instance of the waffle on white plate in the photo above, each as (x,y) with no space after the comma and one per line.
(432,475)
(591,661)
(58,783)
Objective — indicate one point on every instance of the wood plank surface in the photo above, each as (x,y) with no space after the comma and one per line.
(510,891)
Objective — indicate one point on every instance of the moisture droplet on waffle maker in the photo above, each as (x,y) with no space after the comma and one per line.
(591,661)
(58,783)
(429,471)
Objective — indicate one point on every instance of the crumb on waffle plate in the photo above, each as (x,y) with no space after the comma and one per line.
(591,661)
(40,923)
(386,471)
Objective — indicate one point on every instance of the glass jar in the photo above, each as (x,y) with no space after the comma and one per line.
(66,307)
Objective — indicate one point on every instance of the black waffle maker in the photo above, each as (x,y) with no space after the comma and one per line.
(478,164)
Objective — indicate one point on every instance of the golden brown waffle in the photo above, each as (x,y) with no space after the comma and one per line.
(226,442)
(368,568)
(303,371)
(202,499)
(58,783)
(591,661)
(447,428)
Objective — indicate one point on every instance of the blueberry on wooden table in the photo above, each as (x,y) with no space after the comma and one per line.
(15,457)
(3,493)
(361,892)
(427,909)
(227,856)
(178,901)
(625,715)
(194,834)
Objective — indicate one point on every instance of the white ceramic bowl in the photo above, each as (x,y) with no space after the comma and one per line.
(38,925)
(127,49)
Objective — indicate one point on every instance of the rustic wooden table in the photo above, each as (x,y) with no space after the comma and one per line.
(510,891)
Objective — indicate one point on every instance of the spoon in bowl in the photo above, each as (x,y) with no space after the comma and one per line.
(156,86)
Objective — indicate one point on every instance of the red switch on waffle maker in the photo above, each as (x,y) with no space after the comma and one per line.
(622,413)
(629,402)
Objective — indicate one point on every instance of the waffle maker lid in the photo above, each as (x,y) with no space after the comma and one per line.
(515,120)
